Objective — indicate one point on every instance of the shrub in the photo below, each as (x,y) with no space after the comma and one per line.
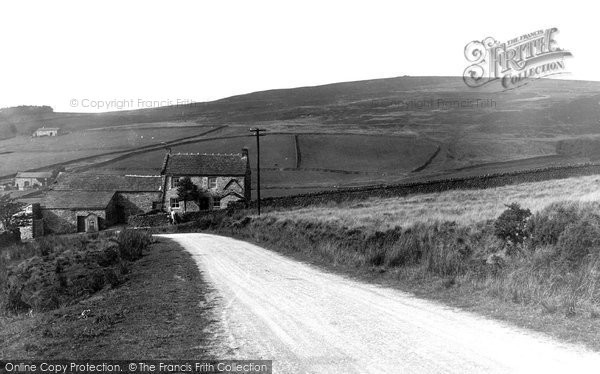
(46,246)
(579,239)
(9,237)
(14,301)
(132,243)
(511,225)
(210,221)
(95,281)
(546,226)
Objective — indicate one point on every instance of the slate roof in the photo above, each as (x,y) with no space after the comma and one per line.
(34,174)
(89,200)
(204,164)
(103,182)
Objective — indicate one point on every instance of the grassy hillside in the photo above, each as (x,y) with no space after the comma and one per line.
(465,207)
(536,265)
(423,126)
(81,297)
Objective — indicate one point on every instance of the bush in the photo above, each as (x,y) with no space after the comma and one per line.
(210,221)
(132,243)
(60,270)
(579,239)
(511,225)
(546,226)
(8,238)
(14,301)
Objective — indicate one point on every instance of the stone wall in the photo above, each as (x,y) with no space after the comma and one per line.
(431,186)
(134,203)
(149,220)
(29,221)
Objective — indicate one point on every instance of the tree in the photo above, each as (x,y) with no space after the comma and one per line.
(187,191)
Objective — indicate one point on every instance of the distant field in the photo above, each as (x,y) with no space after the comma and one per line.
(21,161)
(461,206)
(383,129)
(326,160)
(24,152)
(276,151)
(364,153)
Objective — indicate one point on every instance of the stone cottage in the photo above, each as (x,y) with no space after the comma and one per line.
(91,202)
(46,131)
(27,180)
(221,179)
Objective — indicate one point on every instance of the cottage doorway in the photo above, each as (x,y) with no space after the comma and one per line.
(80,223)
(204,203)
(91,223)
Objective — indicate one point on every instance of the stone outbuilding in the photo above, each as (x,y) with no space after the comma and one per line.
(27,180)
(221,179)
(135,194)
(78,211)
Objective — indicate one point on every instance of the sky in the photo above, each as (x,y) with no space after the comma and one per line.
(93,56)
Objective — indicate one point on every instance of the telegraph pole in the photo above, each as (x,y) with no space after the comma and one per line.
(257,133)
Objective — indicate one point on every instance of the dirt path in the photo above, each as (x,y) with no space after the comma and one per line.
(310,321)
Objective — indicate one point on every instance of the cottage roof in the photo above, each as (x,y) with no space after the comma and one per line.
(205,164)
(48,129)
(96,200)
(102,182)
(34,174)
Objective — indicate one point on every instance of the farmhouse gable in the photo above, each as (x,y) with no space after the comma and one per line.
(215,175)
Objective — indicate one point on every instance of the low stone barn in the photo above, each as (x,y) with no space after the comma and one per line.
(134,194)
(27,180)
(78,211)
(221,179)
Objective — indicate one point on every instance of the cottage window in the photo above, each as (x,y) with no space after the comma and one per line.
(174,182)
(212,182)
(216,203)
(174,203)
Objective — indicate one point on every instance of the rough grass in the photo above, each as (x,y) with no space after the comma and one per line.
(447,244)
(535,286)
(162,312)
(56,271)
(557,266)
(464,207)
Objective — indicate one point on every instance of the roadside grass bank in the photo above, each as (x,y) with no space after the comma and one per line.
(158,309)
(56,271)
(539,271)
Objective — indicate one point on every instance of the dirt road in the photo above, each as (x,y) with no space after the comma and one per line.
(309,321)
